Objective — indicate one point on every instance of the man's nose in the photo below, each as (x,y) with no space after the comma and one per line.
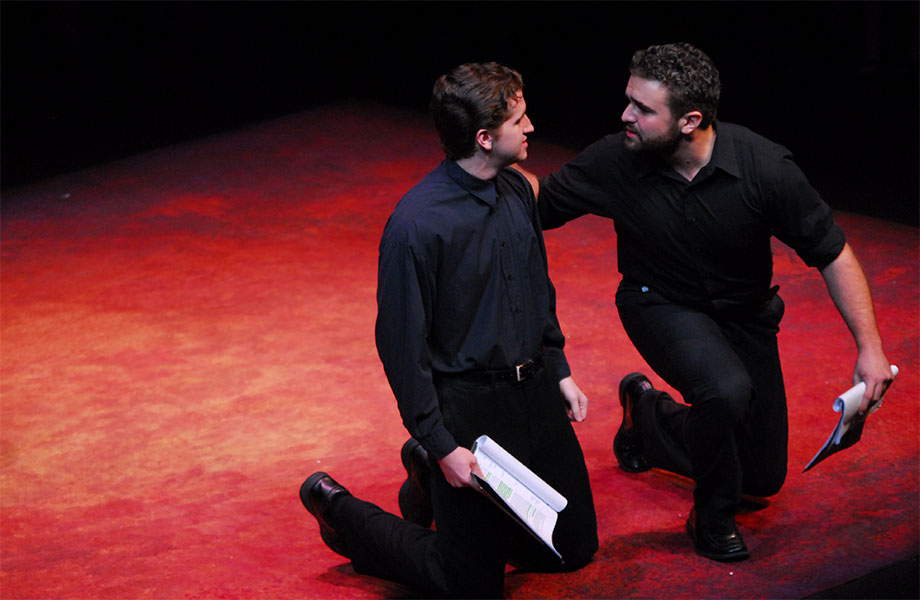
(628,116)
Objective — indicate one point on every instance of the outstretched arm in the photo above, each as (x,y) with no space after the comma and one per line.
(850,292)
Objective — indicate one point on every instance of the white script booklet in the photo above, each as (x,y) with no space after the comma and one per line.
(849,427)
(518,491)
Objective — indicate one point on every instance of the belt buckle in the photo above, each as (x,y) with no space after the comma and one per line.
(524,370)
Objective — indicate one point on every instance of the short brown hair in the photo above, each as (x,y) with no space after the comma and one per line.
(471,97)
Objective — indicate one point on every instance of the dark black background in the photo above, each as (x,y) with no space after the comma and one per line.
(836,82)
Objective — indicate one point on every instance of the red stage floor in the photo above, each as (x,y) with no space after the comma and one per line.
(187,334)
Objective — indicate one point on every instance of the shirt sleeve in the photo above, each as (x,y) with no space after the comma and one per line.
(404,299)
(579,187)
(802,219)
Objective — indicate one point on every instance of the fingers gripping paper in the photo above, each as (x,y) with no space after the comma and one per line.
(849,427)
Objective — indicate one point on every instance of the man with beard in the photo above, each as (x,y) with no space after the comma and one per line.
(695,203)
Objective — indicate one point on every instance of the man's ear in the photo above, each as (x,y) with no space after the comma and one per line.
(484,140)
(690,122)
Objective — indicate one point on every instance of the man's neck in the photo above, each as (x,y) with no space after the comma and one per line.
(694,154)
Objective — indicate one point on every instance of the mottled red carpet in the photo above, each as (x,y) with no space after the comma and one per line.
(187,334)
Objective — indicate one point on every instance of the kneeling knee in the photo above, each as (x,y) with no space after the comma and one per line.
(732,397)
(766,486)
(573,563)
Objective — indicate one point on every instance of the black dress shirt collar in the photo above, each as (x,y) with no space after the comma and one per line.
(723,157)
(483,189)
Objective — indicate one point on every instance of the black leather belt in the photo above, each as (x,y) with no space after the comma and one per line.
(519,373)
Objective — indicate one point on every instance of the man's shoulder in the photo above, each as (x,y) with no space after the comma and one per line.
(435,189)
(610,144)
(750,154)
(609,152)
(430,188)
(603,154)
(746,139)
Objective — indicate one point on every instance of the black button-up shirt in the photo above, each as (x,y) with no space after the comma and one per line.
(704,243)
(462,286)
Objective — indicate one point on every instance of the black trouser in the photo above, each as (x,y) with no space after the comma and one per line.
(733,436)
(466,554)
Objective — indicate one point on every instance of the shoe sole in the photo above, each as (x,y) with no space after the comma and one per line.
(410,494)
(405,454)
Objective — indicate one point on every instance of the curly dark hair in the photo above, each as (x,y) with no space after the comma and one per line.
(690,76)
(471,97)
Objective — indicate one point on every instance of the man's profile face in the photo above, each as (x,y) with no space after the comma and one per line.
(510,138)
(650,126)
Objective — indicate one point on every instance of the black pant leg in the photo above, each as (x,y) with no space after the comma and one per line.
(384,545)
(723,369)
(763,436)
(466,554)
(529,420)
(464,557)
(475,532)
(557,457)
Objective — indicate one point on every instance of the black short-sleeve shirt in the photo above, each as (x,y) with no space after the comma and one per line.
(705,243)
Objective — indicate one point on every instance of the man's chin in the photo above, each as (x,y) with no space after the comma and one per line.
(632,144)
(653,148)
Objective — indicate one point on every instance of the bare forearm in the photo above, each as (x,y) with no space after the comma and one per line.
(849,290)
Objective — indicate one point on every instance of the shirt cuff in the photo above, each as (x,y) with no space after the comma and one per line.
(557,364)
(439,443)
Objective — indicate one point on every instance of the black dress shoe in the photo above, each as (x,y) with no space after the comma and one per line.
(723,546)
(415,492)
(317,494)
(627,445)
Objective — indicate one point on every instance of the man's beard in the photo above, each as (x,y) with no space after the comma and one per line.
(663,145)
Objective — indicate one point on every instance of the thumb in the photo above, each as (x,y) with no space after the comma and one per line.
(474,468)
